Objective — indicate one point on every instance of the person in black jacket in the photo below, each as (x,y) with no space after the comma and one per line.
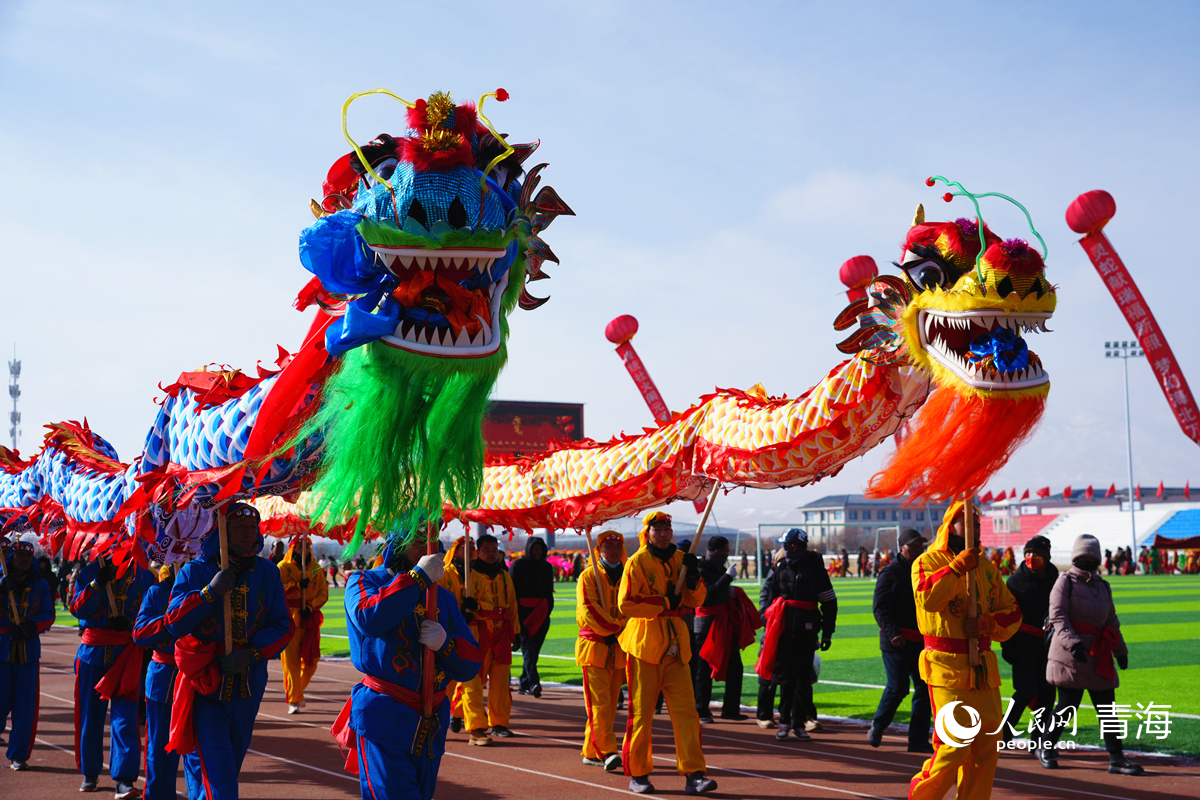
(1027,649)
(717,580)
(901,643)
(533,582)
(789,606)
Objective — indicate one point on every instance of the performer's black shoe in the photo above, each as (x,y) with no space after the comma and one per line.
(456,724)
(875,736)
(735,717)
(698,784)
(641,785)
(18,765)
(126,791)
(537,691)
(1120,765)
(920,747)
(1047,757)
(89,784)
(501,731)
(612,762)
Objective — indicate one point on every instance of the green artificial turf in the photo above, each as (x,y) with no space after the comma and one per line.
(1160,619)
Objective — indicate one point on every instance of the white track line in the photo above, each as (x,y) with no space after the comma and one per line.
(306,766)
(543,774)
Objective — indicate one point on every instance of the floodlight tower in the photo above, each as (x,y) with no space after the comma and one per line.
(1126,351)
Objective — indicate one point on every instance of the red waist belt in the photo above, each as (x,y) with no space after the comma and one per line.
(765,666)
(498,642)
(124,678)
(713,611)
(539,611)
(426,732)
(589,635)
(1102,647)
(106,636)
(164,658)
(1032,630)
(678,612)
(910,635)
(951,644)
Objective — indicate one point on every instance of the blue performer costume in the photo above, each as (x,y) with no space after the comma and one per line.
(225,702)
(20,651)
(150,630)
(394,749)
(107,643)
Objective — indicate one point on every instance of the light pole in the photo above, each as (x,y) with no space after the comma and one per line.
(1126,351)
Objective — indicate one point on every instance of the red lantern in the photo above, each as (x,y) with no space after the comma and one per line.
(857,274)
(1091,211)
(621,329)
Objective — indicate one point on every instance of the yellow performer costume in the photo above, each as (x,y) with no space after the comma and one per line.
(452,582)
(301,655)
(494,625)
(940,588)
(659,649)
(599,654)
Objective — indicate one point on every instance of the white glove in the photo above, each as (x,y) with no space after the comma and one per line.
(732,571)
(433,635)
(433,566)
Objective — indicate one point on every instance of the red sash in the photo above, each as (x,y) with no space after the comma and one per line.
(1032,630)
(163,658)
(910,635)
(737,618)
(678,612)
(124,678)
(765,666)
(310,648)
(348,739)
(589,635)
(198,672)
(498,642)
(1102,647)
(950,644)
(539,611)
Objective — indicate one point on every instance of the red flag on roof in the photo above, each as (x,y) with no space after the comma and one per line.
(1044,492)
(987,498)
(1161,491)
(1089,494)
(1013,494)
(1001,496)
(1067,493)
(1111,491)
(1187,491)
(1137,492)
(1026,495)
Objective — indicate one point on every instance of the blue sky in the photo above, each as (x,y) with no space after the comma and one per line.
(723,161)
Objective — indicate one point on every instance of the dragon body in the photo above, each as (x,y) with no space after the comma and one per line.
(944,337)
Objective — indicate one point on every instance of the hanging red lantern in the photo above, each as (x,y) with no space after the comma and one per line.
(857,274)
(1091,211)
(621,329)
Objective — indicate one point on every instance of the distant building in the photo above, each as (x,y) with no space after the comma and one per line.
(852,520)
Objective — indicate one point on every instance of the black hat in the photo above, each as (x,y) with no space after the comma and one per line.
(908,534)
(793,536)
(1039,545)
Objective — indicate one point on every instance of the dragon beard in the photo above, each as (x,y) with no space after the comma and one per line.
(402,435)
(955,445)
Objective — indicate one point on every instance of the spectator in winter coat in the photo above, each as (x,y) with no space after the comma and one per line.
(1026,650)
(533,582)
(1087,639)
(901,643)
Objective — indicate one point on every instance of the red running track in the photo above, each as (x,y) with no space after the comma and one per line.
(294,757)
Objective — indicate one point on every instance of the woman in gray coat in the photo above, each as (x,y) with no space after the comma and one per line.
(1087,640)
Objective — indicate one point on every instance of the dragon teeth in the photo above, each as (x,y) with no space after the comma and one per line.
(463,339)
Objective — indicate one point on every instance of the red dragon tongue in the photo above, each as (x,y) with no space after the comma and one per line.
(957,443)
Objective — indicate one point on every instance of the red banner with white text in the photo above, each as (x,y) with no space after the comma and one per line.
(1151,338)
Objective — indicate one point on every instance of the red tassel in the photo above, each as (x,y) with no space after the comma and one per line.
(501,95)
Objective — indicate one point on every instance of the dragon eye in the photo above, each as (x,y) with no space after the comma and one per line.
(926,275)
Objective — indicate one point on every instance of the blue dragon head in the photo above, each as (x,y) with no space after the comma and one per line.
(422,248)
(424,242)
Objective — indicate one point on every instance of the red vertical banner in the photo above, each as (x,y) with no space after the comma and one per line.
(1151,338)
(637,371)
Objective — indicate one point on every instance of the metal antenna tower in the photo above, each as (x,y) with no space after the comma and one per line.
(14,391)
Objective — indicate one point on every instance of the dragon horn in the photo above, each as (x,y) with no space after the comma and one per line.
(919,216)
